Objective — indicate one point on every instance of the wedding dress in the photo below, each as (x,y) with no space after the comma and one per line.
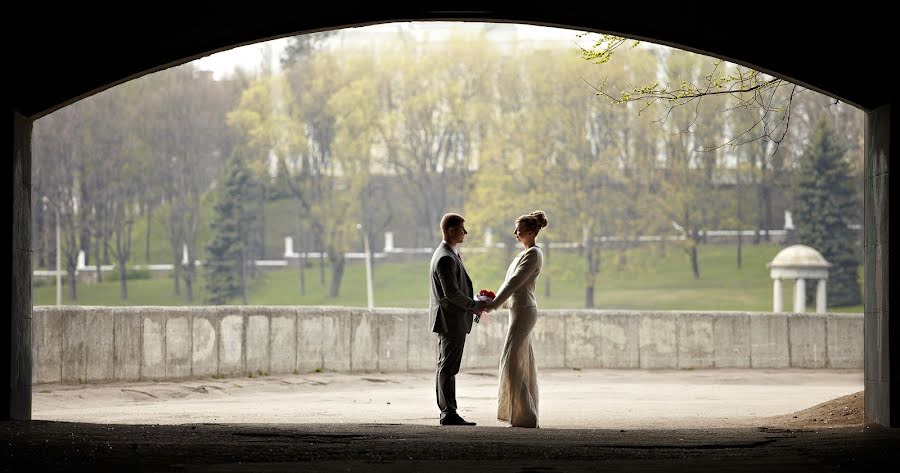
(517,399)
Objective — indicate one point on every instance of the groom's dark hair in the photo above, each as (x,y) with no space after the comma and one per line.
(450,220)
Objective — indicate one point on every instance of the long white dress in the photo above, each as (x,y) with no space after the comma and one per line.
(517,398)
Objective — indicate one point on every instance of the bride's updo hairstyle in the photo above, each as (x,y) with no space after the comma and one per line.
(534,221)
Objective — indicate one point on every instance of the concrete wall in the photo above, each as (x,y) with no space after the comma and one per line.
(112,344)
(882,363)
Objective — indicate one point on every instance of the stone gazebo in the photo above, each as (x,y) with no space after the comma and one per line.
(800,263)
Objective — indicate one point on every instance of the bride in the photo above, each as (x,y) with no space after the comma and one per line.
(517,401)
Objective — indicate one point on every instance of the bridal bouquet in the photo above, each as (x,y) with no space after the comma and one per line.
(484,296)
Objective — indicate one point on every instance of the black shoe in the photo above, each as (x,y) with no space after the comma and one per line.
(455,420)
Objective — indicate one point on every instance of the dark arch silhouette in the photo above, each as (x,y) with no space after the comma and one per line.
(58,54)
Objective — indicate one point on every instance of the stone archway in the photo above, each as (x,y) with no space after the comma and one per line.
(43,84)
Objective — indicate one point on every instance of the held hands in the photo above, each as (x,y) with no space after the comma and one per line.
(485,299)
(484,307)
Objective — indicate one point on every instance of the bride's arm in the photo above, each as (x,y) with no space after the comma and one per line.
(527,265)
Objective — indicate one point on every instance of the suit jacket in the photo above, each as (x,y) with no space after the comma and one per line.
(451,306)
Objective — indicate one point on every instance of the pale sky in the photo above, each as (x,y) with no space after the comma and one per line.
(249,57)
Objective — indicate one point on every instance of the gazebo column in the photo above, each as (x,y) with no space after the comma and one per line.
(800,296)
(820,297)
(778,297)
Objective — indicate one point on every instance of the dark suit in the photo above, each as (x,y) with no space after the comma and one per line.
(451,309)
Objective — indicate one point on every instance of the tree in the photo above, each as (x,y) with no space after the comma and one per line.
(825,205)
(685,179)
(57,150)
(769,97)
(300,47)
(185,126)
(234,226)
(433,105)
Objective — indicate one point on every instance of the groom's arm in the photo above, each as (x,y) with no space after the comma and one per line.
(452,292)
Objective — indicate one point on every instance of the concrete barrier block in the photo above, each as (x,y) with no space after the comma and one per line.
(47,340)
(153,343)
(257,341)
(364,340)
(807,339)
(657,337)
(392,338)
(231,342)
(205,325)
(583,340)
(336,339)
(485,343)
(283,352)
(73,345)
(99,344)
(844,333)
(310,339)
(128,341)
(178,342)
(422,342)
(619,340)
(695,340)
(548,339)
(99,326)
(769,341)
(731,335)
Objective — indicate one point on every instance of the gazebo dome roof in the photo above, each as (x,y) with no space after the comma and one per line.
(799,256)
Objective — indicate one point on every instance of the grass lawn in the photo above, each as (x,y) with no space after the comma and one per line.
(648,281)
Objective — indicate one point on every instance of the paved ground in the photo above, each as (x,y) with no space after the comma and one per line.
(607,399)
(691,421)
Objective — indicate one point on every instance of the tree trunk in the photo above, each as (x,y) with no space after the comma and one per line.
(147,242)
(176,273)
(695,265)
(85,240)
(73,280)
(337,273)
(740,248)
(189,280)
(123,282)
(106,259)
(96,259)
(302,262)
(592,254)
(243,266)
(262,217)
(760,215)
(768,205)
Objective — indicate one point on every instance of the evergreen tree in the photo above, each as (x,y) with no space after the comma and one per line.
(234,229)
(825,205)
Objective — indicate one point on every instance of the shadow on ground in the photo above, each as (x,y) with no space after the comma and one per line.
(63,446)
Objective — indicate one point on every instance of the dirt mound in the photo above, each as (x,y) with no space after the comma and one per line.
(844,411)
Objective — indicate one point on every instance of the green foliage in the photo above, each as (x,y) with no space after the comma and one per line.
(132,273)
(235,228)
(826,204)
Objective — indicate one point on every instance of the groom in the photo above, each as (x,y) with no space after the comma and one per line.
(451,308)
